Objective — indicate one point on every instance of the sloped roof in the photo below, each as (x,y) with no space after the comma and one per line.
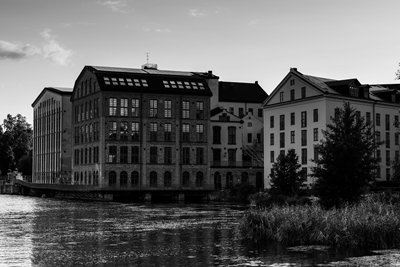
(241,92)
(58,90)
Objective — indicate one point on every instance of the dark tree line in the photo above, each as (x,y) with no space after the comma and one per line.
(15,145)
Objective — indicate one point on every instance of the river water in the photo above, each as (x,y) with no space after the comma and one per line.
(53,232)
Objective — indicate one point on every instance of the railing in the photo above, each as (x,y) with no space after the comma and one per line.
(235,164)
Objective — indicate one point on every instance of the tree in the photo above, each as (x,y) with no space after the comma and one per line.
(346,162)
(15,141)
(287,178)
(398,74)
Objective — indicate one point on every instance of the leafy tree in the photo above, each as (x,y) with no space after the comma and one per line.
(346,162)
(287,178)
(15,141)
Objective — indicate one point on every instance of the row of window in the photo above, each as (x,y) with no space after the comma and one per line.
(183,85)
(292,94)
(231,135)
(86,155)
(157,155)
(85,178)
(293,119)
(241,111)
(86,111)
(86,87)
(125,82)
(303,160)
(87,133)
(293,137)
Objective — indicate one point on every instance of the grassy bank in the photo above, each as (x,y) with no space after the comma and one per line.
(371,223)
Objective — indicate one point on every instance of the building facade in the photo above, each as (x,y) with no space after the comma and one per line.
(301,106)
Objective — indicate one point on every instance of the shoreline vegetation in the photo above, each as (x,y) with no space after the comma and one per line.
(374,222)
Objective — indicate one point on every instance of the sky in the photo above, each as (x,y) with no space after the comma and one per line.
(46,43)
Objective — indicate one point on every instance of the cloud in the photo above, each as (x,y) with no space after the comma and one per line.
(53,51)
(196,13)
(115,6)
(163,30)
(15,51)
(253,22)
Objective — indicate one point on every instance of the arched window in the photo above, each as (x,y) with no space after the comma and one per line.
(245,177)
(217,181)
(167,179)
(199,179)
(112,178)
(259,180)
(123,179)
(229,180)
(96,178)
(135,179)
(185,179)
(153,179)
(90,177)
(85,181)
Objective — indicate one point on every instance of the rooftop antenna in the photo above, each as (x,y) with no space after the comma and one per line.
(147,56)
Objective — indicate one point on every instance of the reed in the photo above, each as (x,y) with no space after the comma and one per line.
(370,223)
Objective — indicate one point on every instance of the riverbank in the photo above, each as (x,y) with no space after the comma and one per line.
(372,223)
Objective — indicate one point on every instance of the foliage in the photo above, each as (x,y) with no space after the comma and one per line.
(287,178)
(398,74)
(370,223)
(15,141)
(395,176)
(346,162)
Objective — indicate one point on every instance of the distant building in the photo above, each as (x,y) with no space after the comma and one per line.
(52,136)
(300,107)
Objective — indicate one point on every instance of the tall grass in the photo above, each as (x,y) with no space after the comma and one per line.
(370,223)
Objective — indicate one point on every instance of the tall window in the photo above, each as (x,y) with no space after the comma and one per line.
(185,179)
(123,130)
(200,110)
(315,112)
(231,135)
(112,109)
(281,97)
(304,119)
(303,92)
(153,179)
(315,134)
(185,109)
(153,108)
(186,155)
(185,132)
(135,131)
(199,179)
(123,154)
(271,139)
(271,121)
(112,178)
(167,179)
(199,155)
(387,122)
(368,117)
(135,107)
(378,119)
(153,155)
(292,137)
(200,132)
(123,179)
(135,154)
(231,157)
(260,112)
(124,106)
(282,140)
(153,131)
(282,122)
(167,132)
(216,134)
(396,138)
(388,158)
(303,137)
(304,156)
(135,179)
(292,94)
(249,138)
(387,141)
(241,112)
(167,155)
(167,109)
(292,118)
(112,154)
(272,156)
(112,134)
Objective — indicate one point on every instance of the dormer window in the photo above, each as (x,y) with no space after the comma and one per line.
(366,93)
(353,91)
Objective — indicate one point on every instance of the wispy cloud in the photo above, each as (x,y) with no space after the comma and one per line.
(53,51)
(196,13)
(252,23)
(163,30)
(16,51)
(115,6)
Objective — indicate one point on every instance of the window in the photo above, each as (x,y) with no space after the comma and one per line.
(123,179)
(153,108)
(124,107)
(107,80)
(167,109)
(135,154)
(271,121)
(185,132)
(292,137)
(282,140)
(200,132)
(112,111)
(167,155)
(315,112)
(281,97)
(303,92)
(123,154)
(251,111)
(387,122)
(135,131)
(153,179)
(153,155)
(303,137)
(135,107)
(129,82)
(96,154)
(316,154)
(249,138)
(135,179)
(217,181)
(396,139)
(292,94)
(216,134)
(200,110)
(368,117)
(304,119)
(112,178)
(199,179)
(245,178)
(123,130)
(378,155)
(378,136)
(282,122)
(315,134)
(112,154)
(186,155)
(199,155)
(167,132)
(260,112)
(271,139)
(387,141)
(337,113)
(358,115)
(114,81)
(231,135)
(112,134)
(231,157)
(378,119)
(185,109)
(388,169)
(229,179)
(304,156)
(185,179)
(388,158)
(241,112)
(272,155)
(292,118)
(291,82)
(167,179)
(153,131)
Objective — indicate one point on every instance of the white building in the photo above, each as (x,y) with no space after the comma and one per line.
(301,106)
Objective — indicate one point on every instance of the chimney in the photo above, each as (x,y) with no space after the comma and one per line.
(293,69)
(149,66)
(209,73)
(256,82)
